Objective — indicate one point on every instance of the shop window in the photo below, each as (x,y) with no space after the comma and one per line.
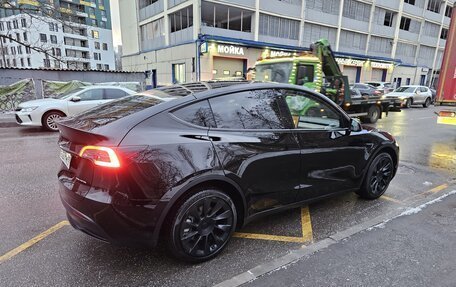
(178,73)
(181,19)
(389,16)
(226,17)
(278,27)
(434,5)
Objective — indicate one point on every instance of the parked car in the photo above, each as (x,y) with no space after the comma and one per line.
(190,164)
(434,94)
(412,95)
(384,87)
(366,90)
(44,112)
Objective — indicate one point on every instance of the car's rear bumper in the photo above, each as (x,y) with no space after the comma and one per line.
(118,224)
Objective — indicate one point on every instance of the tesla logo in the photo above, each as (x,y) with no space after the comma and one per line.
(232,50)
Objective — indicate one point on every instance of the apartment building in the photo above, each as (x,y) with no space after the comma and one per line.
(72,34)
(186,40)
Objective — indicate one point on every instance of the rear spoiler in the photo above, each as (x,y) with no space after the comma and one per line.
(77,136)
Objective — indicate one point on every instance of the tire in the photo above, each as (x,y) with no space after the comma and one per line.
(48,120)
(408,103)
(202,226)
(373,114)
(427,103)
(378,177)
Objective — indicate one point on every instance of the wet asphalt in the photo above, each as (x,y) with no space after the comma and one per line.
(29,205)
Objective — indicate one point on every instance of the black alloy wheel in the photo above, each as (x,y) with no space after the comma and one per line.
(408,103)
(202,226)
(427,103)
(378,177)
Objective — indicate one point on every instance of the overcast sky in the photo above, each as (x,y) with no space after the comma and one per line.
(115,23)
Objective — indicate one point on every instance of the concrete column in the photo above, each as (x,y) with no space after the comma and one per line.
(339,24)
(166,22)
(372,14)
(196,18)
(396,32)
(257,20)
(301,30)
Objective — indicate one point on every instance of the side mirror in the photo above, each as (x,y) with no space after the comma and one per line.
(355,125)
(75,99)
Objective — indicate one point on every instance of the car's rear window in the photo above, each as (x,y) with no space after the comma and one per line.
(117,109)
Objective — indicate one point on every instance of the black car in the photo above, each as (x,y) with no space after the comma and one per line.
(189,164)
(366,90)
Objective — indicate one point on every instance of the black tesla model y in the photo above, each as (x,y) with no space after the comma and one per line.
(189,164)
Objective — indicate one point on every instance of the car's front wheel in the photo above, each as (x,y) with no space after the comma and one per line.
(378,177)
(202,226)
(408,103)
(50,118)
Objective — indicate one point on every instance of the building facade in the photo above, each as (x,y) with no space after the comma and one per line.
(186,40)
(73,34)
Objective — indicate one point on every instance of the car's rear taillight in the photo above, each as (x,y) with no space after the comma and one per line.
(447,114)
(101,156)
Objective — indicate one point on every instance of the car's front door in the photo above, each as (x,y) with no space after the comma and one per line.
(331,159)
(256,147)
(86,100)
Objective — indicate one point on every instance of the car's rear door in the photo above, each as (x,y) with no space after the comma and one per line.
(331,159)
(255,144)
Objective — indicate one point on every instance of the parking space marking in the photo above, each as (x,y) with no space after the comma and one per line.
(385,197)
(32,241)
(438,188)
(306,225)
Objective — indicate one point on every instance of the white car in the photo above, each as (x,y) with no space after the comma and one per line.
(412,95)
(44,112)
(385,87)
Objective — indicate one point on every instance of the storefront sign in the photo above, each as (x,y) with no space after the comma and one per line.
(349,62)
(230,49)
(277,54)
(377,65)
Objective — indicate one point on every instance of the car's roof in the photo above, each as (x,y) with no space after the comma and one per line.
(412,86)
(104,87)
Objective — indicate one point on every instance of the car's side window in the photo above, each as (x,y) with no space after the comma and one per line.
(111,94)
(199,114)
(308,112)
(423,89)
(257,109)
(91,95)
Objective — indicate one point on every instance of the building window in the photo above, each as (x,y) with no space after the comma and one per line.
(18,37)
(13,50)
(95,34)
(405,24)
(19,50)
(103,13)
(225,17)
(411,2)
(2,27)
(15,24)
(178,73)
(22,62)
(8,25)
(97,45)
(28,50)
(92,10)
(444,34)
(53,39)
(389,16)
(448,11)
(145,3)
(14,63)
(434,5)
(47,63)
(58,52)
(106,67)
(43,38)
(24,35)
(181,19)
(97,56)
(56,63)
(7,62)
(51,27)
(105,46)
(278,27)
(102,24)
(410,25)
(98,66)
(356,10)
(23,23)
(328,6)
(29,62)
(152,30)
(94,23)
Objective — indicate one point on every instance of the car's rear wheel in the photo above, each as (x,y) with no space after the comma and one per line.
(378,177)
(202,226)
(427,103)
(49,120)
(408,103)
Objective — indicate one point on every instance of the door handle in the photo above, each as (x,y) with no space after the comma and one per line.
(203,138)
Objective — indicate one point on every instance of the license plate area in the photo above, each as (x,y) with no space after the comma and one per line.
(66,158)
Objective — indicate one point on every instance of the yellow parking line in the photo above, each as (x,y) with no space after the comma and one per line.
(306,224)
(32,241)
(438,188)
(391,199)
(269,237)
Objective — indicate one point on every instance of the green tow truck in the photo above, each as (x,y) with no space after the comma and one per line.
(318,70)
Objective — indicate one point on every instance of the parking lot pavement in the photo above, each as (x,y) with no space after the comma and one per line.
(30,206)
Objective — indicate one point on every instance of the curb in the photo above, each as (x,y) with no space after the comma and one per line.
(306,251)
(7,120)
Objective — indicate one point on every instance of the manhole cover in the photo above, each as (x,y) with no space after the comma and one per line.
(405,170)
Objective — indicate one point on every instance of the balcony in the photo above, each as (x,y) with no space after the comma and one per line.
(382,30)
(172,3)
(390,4)
(182,36)
(429,40)
(429,15)
(227,33)
(413,10)
(446,21)
(151,10)
(356,25)
(406,35)
(282,8)
(320,17)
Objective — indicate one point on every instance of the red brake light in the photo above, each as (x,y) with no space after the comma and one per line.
(102,156)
